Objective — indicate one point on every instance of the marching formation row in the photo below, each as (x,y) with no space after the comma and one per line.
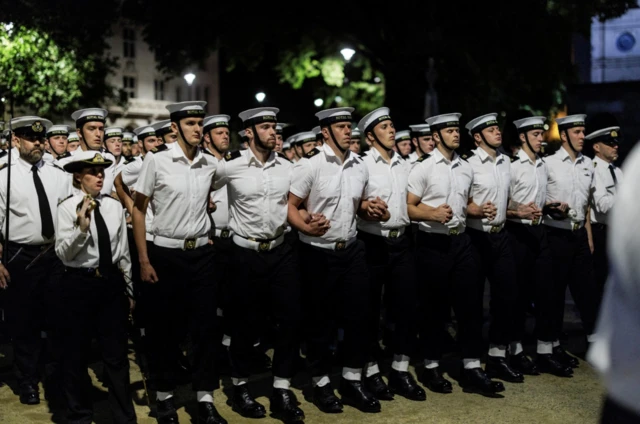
(305,234)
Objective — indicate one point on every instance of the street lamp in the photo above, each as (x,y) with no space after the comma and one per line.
(260,96)
(318,102)
(347,53)
(189,78)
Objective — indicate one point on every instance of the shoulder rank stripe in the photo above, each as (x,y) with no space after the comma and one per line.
(206,152)
(127,162)
(232,155)
(467,155)
(311,153)
(160,148)
(66,198)
(282,155)
(423,157)
(3,153)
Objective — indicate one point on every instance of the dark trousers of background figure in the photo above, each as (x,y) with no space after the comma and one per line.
(32,300)
(600,258)
(184,298)
(95,307)
(496,262)
(336,293)
(265,284)
(532,254)
(223,258)
(391,265)
(573,266)
(449,276)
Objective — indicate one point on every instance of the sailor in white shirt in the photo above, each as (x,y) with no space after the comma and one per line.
(486,217)
(615,353)
(390,258)
(244,140)
(90,129)
(331,181)
(570,184)
(73,141)
(422,142)
(318,132)
(32,270)
(179,264)
(607,177)
(307,141)
(288,150)
(15,152)
(530,246)
(56,143)
(165,132)
(91,241)
(437,198)
(264,267)
(127,145)
(403,143)
(279,139)
(354,145)
(113,145)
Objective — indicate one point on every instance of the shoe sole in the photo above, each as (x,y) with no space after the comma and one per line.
(240,412)
(444,392)
(353,405)
(499,377)
(407,396)
(328,411)
(280,416)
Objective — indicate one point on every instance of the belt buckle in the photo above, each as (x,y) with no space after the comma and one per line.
(97,273)
(454,232)
(495,229)
(536,221)
(575,226)
(224,234)
(394,233)
(264,246)
(341,245)
(189,244)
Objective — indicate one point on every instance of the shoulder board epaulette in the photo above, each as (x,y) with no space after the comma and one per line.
(232,155)
(423,157)
(3,166)
(66,198)
(206,152)
(282,155)
(467,155)
(595,163)
(128,161)
(363,155)
(3,153)
(311,153)
(513,158)
(55,165)
(65,155)
(160,148)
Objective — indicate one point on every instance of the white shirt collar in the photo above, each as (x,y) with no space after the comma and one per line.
(602,162)
(564,155)
(440,157)
(178,154)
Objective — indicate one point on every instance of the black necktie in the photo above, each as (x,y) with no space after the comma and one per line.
(613,174)
(43,202)
(104,242)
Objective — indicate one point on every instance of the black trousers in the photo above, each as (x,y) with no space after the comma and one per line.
(265,284)
(614,413)
(32,300)
(223,257)
(450,272)
(337,293)
(184,298)
(535,279)
(95,306)
(573,266)
(600,258)
(496,262)
(392,265)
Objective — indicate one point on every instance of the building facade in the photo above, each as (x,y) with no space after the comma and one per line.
(148,91)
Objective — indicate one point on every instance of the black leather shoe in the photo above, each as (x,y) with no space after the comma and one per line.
(549,364)
(499,368)
(166,412)
(208,414)
(523,364)
(355,394)
(432,379)
(284,406)
(244,404)
(29,395)
(475,380)
(563,357)
(403,384)
(326,400)
(377,387)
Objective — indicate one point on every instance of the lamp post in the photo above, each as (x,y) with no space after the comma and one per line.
(189,78)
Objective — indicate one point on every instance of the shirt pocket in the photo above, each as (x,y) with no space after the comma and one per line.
(279,189)
(329,189)
(356,187)
(380,186)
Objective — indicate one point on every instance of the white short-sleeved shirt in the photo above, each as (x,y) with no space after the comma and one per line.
(569,182)
(389,182)
(491,180)
(528,182)
(615,352)
(436,180)
(604,189)
(413,158)
(179,192)
(25,220)
(80,250)
(257,192)
(333,188)
(109,173)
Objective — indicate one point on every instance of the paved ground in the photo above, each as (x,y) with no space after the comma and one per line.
(542,399)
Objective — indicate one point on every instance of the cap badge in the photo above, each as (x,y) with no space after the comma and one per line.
(546,127)
(97,158)
(614,133)
(36,127)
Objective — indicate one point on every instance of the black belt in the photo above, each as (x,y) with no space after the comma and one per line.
(31,247)
(226,233)
(90,272)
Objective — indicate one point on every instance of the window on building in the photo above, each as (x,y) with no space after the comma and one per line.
(158,86)
(178,95)
(129,85)
(129,46)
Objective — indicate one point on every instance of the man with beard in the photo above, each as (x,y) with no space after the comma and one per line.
(127,142)
(263,266)
(33,268)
